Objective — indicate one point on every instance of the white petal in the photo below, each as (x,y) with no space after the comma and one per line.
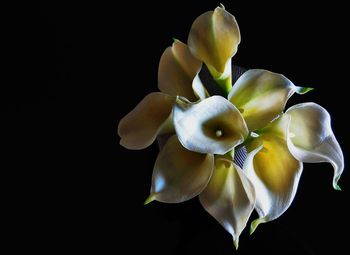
(229,197)
(212,125)
(180,174)
(261,96)
(274,172)
(139,128)
(312,139)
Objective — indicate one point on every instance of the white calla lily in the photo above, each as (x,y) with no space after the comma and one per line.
(201,133)
(212,125)
(312,139)
(229,197)
(214,38)
(261,96)
(274,172)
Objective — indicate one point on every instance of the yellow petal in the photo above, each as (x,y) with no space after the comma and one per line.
(312,138)
(214,38)
(178,69)
(274,172)
(140,127)
(229,197)
(261,96)
(212,125)
(180,174)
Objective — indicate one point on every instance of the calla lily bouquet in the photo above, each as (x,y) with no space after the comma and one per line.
(204,131)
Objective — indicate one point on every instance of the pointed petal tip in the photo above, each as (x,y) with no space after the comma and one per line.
(255,224)
(303,90)
(149,199)
(336,187)
(235,243)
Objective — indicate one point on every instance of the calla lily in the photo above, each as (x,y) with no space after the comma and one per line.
(273,171)
(312,139)
(177,76)
(206,130)
(302,134)
(214,38)
(185,164)
(261,96)
(213,125)
(229,197)
(225,191)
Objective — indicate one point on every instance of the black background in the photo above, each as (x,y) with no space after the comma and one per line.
(73,70)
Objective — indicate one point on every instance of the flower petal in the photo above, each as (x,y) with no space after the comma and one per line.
(312,139)
(261,96)
(274,172)
(139,128)
(178,68)
(180,174)
(229,197)
(214,38)
(212,125)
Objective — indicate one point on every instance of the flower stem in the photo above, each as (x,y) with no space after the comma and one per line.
(225,84)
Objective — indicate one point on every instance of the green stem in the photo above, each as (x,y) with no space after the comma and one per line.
(225,84)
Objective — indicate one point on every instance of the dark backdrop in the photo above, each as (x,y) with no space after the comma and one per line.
(73,70)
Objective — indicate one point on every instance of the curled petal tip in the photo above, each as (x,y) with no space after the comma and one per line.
(149,199)
(303,90)
(255,224)
(337,187)
(314,140)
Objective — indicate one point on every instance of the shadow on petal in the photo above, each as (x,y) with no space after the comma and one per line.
(274,172)
(180,174)
(177,73)
(139,128)
(261,96)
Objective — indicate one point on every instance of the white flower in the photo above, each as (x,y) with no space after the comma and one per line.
(204,130)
